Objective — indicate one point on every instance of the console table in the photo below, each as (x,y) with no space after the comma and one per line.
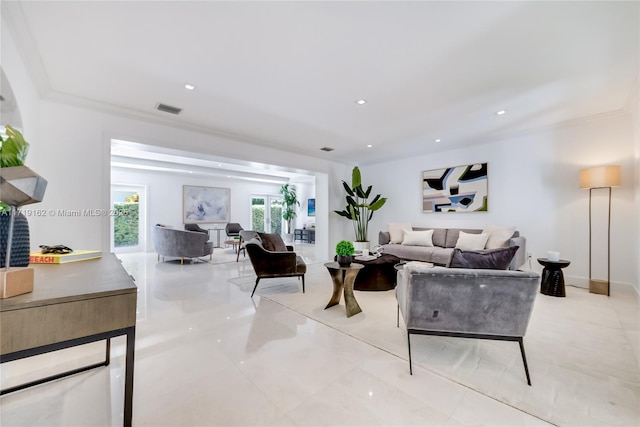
(305,235)
(72,304)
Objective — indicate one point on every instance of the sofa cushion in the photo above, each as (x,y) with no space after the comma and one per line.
(454,233)
(418,238)
(471,242)
(396,231)
(492,259)
(272,242)
(498,236)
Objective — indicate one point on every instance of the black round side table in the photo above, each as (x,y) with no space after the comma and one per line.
(552,282)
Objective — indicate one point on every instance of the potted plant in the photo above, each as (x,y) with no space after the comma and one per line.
(359,209)
(19,186)
(344,252)
(289,203)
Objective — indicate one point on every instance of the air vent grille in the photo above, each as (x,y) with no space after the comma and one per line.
(168,109)
(327,149)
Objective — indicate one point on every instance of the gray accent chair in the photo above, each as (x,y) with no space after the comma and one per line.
(181,243)
(466,303)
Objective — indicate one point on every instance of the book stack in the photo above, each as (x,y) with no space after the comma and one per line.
(40,258)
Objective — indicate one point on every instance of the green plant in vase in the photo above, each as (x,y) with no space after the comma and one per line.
(359,210)
(344,252)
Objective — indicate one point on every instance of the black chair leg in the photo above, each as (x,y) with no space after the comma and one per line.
(254,288)
(303,284)
(398,316)
(524,360)
(409,347)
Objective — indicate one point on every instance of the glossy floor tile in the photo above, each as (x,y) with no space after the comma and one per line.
(209,355)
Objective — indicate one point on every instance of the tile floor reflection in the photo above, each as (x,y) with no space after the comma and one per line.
(209,355)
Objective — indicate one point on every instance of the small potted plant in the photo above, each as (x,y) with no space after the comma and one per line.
(344,252)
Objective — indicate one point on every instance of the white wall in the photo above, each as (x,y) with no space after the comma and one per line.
(533,185)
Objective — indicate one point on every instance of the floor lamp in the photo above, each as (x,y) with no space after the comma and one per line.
(592,178)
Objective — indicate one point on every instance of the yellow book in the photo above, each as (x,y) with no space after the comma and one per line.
(40,258)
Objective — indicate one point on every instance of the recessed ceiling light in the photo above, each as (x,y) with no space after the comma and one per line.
(437,140)
(501,112)
(188,86)
(369,145)
(361,102)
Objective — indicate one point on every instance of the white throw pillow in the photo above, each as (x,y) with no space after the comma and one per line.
(396,231)
(418,238)
(471,242)
(498,236)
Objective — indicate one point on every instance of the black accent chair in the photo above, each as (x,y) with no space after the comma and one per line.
(271,264)
(233,229)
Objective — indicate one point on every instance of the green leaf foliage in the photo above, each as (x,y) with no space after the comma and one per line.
(14,149)
(345,248)
(359,209)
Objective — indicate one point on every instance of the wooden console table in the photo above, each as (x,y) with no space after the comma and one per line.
(72,304)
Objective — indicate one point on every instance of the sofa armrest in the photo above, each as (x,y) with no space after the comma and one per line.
(521,254)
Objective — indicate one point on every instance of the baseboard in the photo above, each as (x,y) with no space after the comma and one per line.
(583,282)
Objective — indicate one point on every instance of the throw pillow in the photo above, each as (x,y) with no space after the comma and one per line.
(418,238)
(396,231)
(272,242)
(491,259)
(498,236)
(471,242)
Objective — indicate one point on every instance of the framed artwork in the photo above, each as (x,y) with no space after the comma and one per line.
(455,189)
(311,207)
(205,204)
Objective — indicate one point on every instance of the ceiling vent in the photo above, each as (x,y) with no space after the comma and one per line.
(168,109)
(327,149)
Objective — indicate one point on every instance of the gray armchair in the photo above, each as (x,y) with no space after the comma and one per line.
(181,243)
(467,303)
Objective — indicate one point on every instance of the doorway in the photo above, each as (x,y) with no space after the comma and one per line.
(266,213)
(128,203)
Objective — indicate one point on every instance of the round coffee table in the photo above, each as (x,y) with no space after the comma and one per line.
(552,282)
(377,274)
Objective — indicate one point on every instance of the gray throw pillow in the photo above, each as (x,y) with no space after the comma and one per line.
(490,259)
(272,242)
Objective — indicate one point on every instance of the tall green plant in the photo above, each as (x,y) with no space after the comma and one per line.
(359,209)
(289,204)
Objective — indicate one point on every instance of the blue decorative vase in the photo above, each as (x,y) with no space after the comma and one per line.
(20,247)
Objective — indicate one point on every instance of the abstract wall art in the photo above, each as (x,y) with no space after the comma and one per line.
(455,189)
(205,204)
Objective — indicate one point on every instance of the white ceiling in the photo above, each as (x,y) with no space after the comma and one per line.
(287,74)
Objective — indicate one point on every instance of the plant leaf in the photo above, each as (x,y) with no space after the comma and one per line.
(377,205)
(356,178)
(348,189)
(14,149)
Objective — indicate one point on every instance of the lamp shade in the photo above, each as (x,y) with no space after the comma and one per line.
(600,177)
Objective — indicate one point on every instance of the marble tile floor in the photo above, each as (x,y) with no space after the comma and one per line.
(208,355)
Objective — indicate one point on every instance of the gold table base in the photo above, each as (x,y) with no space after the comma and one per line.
(343,278)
